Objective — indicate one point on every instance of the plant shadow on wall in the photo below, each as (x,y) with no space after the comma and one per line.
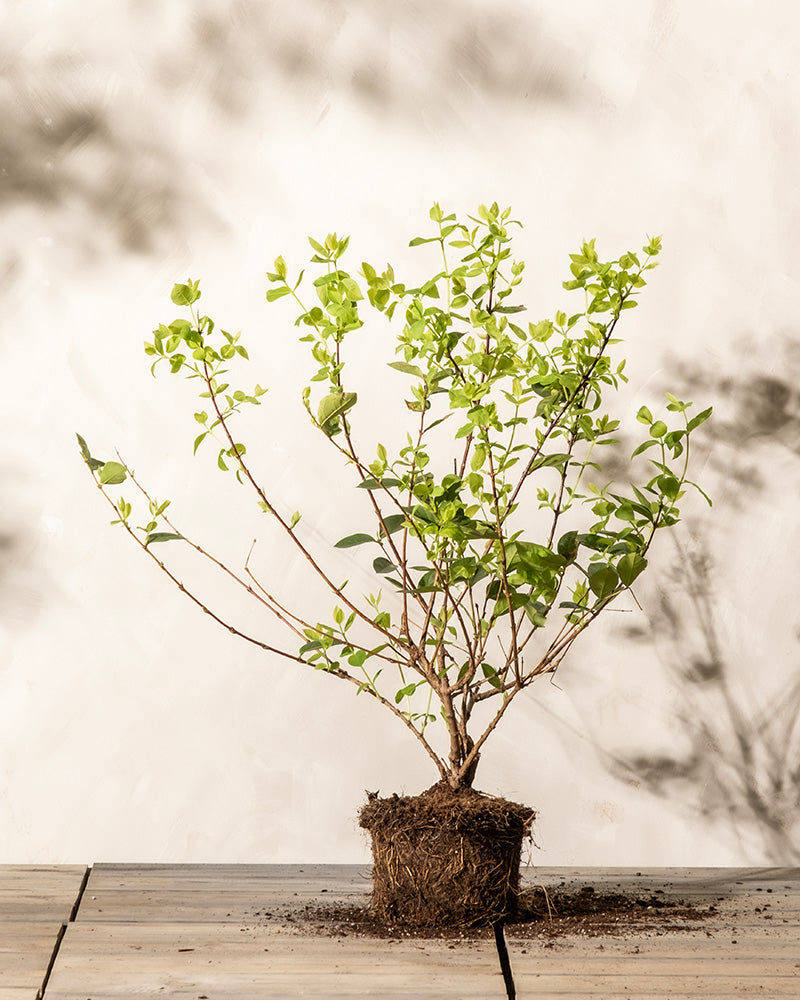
(24,578)
(95,138)
(398,58)
(100,170)
(489,550)
(738,723)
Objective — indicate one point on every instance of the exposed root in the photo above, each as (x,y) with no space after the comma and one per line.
(445,857)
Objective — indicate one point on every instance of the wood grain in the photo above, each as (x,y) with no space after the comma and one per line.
(35,902)
(229,931)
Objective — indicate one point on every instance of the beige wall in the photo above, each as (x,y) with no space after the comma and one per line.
(142,142)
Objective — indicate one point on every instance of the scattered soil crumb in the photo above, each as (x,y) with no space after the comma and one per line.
(577,910)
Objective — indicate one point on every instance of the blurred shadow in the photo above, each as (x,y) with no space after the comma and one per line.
(60,149)
(21,578)
(398,57)
(93,130)
(739,761)
(116,136)
(739,747)
(753,408)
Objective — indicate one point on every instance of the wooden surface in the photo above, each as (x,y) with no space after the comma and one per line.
(231,933)
(35,902)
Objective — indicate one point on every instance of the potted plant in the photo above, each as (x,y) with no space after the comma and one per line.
(492,547)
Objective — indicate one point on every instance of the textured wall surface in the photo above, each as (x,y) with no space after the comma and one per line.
(143,141)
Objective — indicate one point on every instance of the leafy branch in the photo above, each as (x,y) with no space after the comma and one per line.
(474,606)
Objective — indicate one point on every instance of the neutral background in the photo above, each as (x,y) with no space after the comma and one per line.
(148,140)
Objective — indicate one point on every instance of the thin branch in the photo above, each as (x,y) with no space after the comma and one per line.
(336,671)
(230,628)
(260,493)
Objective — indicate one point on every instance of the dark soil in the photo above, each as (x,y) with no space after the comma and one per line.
(445,857)
(576,910)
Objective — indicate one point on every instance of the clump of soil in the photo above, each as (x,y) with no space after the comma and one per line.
(585,911)
(548,914)
(445,857)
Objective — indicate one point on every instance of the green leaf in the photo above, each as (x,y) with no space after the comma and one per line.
(490,673)
(625,512)
(93,463)
(556,461)
(309,647)
(675,404)
(162,536)
(478,457)
(630,566)
(333,406)
(643,447)
(700,418)
(84,447)
(537,613)
(644,416)
(359,538)
(376,484)
(568,545)
(405,692)
(659,429)
(112,473)
(295,519)
(603,579)
(382,565)
(669,486)
(703,494)
(184,295)
(393,522)
(404,366)
(278,293)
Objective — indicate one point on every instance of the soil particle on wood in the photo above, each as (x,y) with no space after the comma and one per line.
(549,914)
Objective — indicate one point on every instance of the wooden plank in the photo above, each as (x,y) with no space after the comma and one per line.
(224,930)
(172,960)
(238,893)
(291,878)
(307,878)
(35,902)
(216,893)
(777,942)
(39,892)
(687,881)
(25,952)
(12,876)
(201,942)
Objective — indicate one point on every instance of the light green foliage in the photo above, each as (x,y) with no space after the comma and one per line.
(481,603)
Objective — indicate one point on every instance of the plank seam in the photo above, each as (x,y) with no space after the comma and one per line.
(56,947)
(79,898)
(61,932)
